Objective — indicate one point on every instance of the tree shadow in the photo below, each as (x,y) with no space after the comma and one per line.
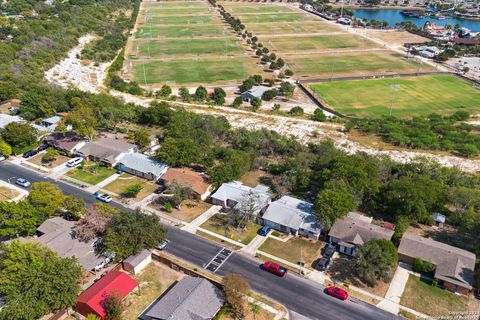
(343,269)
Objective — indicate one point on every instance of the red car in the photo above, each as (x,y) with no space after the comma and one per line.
(274,268)
(337,293)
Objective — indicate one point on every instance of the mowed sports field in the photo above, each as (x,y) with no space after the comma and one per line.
(409,96)
(315,49)
(185,43)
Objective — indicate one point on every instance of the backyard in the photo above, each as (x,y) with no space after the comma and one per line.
(154,280)
(91,173)
(293,249)
(428,299)
(409,96)
(121,184)
(217,224)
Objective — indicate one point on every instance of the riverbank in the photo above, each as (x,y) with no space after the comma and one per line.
(353,6)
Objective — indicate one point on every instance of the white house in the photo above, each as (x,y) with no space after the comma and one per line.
(142,166)
(254,92)
(234,195)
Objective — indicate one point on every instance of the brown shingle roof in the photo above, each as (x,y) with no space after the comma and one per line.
(186,177)
(454,265)
(357,231)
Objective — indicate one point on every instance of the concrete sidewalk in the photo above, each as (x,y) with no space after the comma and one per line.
(256,243)
(103,183)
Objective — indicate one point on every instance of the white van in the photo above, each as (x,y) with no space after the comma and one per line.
(74,162)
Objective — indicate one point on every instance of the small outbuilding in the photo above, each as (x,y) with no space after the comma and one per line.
(137,262)
(254,92)
(92,300)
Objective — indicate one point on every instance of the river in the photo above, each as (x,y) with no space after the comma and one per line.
(393,16)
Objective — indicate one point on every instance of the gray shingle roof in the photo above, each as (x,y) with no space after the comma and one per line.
(143,163)
(57,235)
(256,91)
(293,213)
(454,265)
(106,148)
(358,232)
(190,299)
(136,259)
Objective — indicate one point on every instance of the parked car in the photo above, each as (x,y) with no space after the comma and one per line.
(74,162)
(104,197)
(264,231)
(274,268)
(160,189)
(30,153)
(163,244)
(329,251)
(2,157)
(322,264)
(43,147)
(23,182)
(337,293)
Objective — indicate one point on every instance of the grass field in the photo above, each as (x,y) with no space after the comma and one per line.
(280,17)
(175,4)
(215,224)
(292,27)
(215,46)
(269,8)
(352,64)
(147,32)
(316,42)
(420,95)
(178,11)
(180,20)
(192,71)
(291,249)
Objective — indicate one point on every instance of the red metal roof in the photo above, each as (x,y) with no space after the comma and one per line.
(92,299)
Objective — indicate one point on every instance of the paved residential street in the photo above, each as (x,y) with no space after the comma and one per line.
(298,295)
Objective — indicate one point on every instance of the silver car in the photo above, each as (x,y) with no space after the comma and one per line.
(105,198)
(163,244)
(23,182)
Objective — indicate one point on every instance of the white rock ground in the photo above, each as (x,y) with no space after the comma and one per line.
(72,72)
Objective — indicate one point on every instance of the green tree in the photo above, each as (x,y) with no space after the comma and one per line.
(236,289)
(74,207)
(318,115)
(18,219)
(333,204)
(180,152)
(296,111)
(50,155)
(276,107)
(142,138)
(184,94)
(280,63)
(423,266)
(132,190)
(46,198)
(201,94)
(35,281)
(287,89)
(219,96)
(113,307)
(237,102)
(165,91)
(255,103)
(19,136)
(288,72)
(129,233)
(5,149)
(375,259)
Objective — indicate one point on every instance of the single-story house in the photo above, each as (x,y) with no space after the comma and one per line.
(189,299)
(349,233)
(67,142)
(294,216)
(186,177)
(56,234)
(454,266)
(6,119)
(106,150)
(142,166)
(254,92)
(137,262)
(234,195)
(92,300)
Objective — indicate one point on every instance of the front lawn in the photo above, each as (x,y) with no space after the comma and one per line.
(189,209)
(120,185)
(59,160)
(91,173)
(293,249)
(431,300)
(216,224)
(153,281)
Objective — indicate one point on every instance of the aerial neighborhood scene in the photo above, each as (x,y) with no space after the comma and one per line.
(239,159)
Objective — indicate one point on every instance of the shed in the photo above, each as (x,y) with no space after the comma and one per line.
(254,92)
(137,262)
(439,219)
(92,300)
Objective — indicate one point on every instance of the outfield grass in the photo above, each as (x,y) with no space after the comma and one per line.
(352,64)
(431,300)
(178,11)
(191,71)
(420,95)
(280,17)
(317,42)
(292,27)
(180,20)
(146,32)
(215,46)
